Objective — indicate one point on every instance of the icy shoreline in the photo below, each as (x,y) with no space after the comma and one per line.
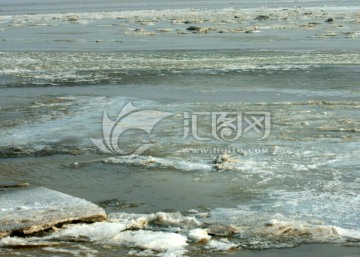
(32,210)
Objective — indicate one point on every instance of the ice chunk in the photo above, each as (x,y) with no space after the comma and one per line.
(91,232)
(149,161)
(31,210)
(22,242)
(158,219)
(158,241)
(113,234)
(223,245)
(199,235)
(348,233)
(145,253)
(79,250)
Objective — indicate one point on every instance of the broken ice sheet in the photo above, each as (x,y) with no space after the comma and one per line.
(116,234)
(27,211)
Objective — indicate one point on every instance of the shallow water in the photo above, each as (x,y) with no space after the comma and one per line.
(290,179)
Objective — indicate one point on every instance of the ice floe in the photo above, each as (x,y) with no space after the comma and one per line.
(26,211)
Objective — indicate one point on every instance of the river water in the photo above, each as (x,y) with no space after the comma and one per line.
(248,120)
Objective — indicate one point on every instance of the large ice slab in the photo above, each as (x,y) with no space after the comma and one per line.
(27,211)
